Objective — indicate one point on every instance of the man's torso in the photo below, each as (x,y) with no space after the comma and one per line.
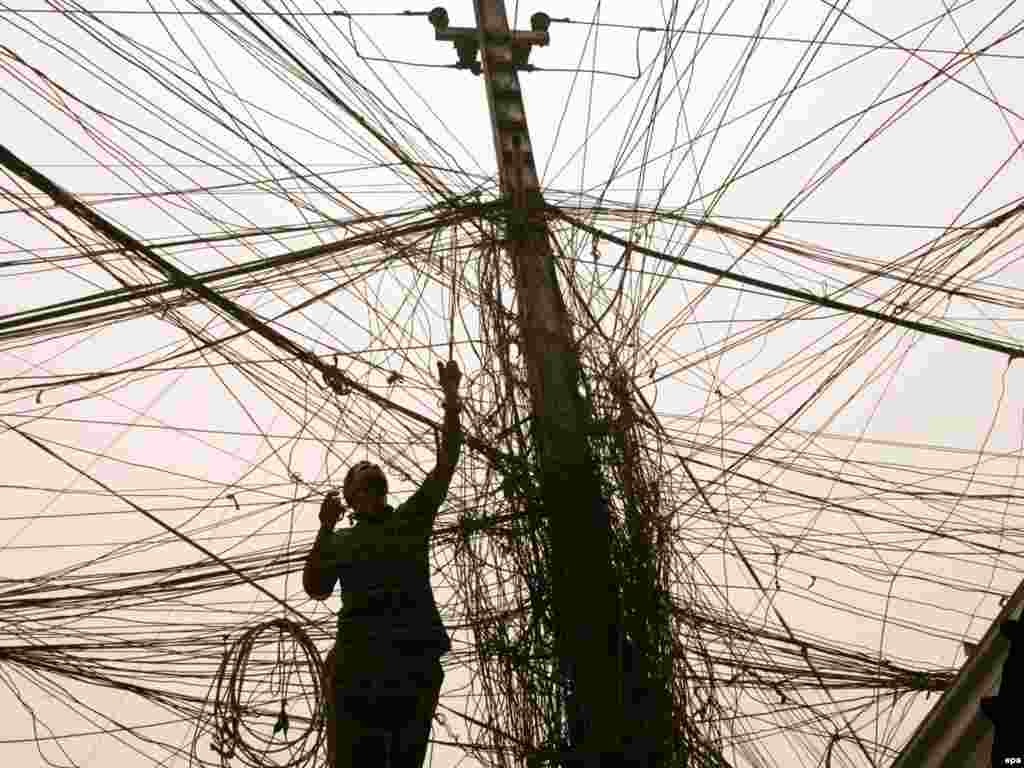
(388,606)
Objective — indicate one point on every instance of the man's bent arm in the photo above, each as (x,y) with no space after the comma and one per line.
(320,573)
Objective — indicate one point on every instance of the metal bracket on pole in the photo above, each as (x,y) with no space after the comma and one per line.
(467,41)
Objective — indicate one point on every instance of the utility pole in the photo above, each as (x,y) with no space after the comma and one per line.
(585,587)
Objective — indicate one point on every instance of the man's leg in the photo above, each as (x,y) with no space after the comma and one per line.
(331,728)
(359,742)
(409,739)
(327,687)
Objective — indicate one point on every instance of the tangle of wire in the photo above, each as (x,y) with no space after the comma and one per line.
(245,719)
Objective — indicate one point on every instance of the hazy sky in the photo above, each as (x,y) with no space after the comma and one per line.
(866,163)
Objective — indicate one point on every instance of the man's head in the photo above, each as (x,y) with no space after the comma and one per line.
(366,488)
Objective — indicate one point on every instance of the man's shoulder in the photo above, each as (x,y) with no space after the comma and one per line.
(420,506)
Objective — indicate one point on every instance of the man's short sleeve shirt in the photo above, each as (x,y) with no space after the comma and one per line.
(384,571)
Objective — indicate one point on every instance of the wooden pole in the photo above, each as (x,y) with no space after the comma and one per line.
(584,584)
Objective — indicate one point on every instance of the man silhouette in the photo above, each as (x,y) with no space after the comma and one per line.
(384,674)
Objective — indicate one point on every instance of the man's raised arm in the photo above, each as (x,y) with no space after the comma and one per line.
(435,486)
(451,439)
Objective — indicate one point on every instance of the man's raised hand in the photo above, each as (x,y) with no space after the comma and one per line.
(330,510)
(449,376)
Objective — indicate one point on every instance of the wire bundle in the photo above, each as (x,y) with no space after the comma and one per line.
(269,679)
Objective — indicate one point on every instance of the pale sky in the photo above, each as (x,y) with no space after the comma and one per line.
(868,474)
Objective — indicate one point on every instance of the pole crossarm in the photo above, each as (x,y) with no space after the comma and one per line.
(467,40)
